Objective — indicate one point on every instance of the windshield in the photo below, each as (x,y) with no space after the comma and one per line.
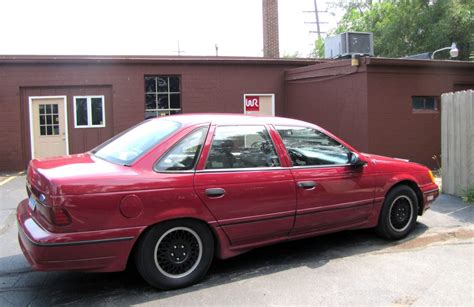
(131,144)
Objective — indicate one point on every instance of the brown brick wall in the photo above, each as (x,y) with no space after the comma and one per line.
(205,88)
(394,129)
(271,43)
(338,104)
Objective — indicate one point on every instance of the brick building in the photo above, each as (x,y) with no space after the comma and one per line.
(69,104)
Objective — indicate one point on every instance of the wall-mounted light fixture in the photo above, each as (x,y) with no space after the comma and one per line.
(453,51)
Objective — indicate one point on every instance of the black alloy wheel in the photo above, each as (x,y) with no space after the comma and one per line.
(175,254)
(399,213)
(178,252)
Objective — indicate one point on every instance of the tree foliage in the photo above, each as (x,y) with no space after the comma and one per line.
(407,27)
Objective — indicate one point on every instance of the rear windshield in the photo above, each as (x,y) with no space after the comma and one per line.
(130,145)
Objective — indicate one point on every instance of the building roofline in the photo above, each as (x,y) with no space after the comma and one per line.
(343,67)
(137,59)
(371,61)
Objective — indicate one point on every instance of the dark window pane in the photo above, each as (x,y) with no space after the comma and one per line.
(55,108)
(48,109)
(41,108)
(162,84)
(174,84)
(418,103)
(96,106)
(163,101)
(42,130)
(49,119)
(308,146)
(56,130)
(42,120)
(55,119)
(184,155)
(430,103)
(150,101)
(172,112)
(81,112)
(150,84)
(242,147)
(174,101)
(150,114)
(49,130)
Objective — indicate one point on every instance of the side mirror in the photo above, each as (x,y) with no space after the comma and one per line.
(355,160)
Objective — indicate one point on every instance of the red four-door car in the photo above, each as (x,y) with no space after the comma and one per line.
(172,193)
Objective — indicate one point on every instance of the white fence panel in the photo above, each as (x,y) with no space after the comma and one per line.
(457,141)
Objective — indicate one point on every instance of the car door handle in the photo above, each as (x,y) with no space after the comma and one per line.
(306,184)
(215,192)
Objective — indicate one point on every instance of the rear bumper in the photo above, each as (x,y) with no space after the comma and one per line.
(430,193)
(98,251)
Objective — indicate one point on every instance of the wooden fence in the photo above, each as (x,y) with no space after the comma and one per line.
(457,141)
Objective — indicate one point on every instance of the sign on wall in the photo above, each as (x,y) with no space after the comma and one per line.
(252,103)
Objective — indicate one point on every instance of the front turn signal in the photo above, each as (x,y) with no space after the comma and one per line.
(431,176)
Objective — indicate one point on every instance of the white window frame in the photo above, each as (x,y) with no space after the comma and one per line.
(89,111)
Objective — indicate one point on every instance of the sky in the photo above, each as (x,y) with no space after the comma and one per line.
(145,27)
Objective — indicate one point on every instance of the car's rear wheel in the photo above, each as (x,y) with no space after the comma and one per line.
(399,213)
(175,254)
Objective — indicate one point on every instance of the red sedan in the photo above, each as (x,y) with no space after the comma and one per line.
(172,193)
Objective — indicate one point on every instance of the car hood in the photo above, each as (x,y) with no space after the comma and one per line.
(77,174)
(386,163)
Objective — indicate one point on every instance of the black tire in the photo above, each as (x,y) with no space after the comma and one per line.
(399,213)
(175,254)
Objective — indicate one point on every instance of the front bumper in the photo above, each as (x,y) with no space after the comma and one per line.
(97,251)
(430,193)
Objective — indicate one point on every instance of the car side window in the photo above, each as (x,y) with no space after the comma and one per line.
(307,146)
(242,147)
(184,155)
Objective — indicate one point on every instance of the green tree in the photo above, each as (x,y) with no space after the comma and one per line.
(407,27)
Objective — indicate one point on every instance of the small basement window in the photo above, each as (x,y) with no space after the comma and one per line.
(424,103)
(89,111)
(162,96)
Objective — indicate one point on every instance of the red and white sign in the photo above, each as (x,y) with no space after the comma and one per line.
(252,103)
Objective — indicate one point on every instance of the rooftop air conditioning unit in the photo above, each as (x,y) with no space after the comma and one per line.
(348,43)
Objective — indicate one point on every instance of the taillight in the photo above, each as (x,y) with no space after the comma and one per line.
(59,216)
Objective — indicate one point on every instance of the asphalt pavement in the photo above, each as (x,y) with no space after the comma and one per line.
(434,266)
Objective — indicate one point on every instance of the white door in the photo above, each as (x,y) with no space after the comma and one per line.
(48,126)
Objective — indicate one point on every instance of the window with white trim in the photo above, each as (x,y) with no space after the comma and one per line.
(162,96)
(89,111)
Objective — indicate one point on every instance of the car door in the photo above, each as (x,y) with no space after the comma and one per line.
(331,193)
(242,182)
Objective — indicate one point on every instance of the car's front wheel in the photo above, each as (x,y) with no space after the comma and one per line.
(175,254)
(399,213)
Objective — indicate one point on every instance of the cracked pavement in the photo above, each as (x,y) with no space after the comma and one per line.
(433,266)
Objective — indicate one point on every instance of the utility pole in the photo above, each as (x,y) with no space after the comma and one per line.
(316,18)
(179,51)
(316,15)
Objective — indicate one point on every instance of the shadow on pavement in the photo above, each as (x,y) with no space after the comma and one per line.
(126,288)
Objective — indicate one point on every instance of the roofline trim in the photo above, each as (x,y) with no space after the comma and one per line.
(373,61)
(136,59)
